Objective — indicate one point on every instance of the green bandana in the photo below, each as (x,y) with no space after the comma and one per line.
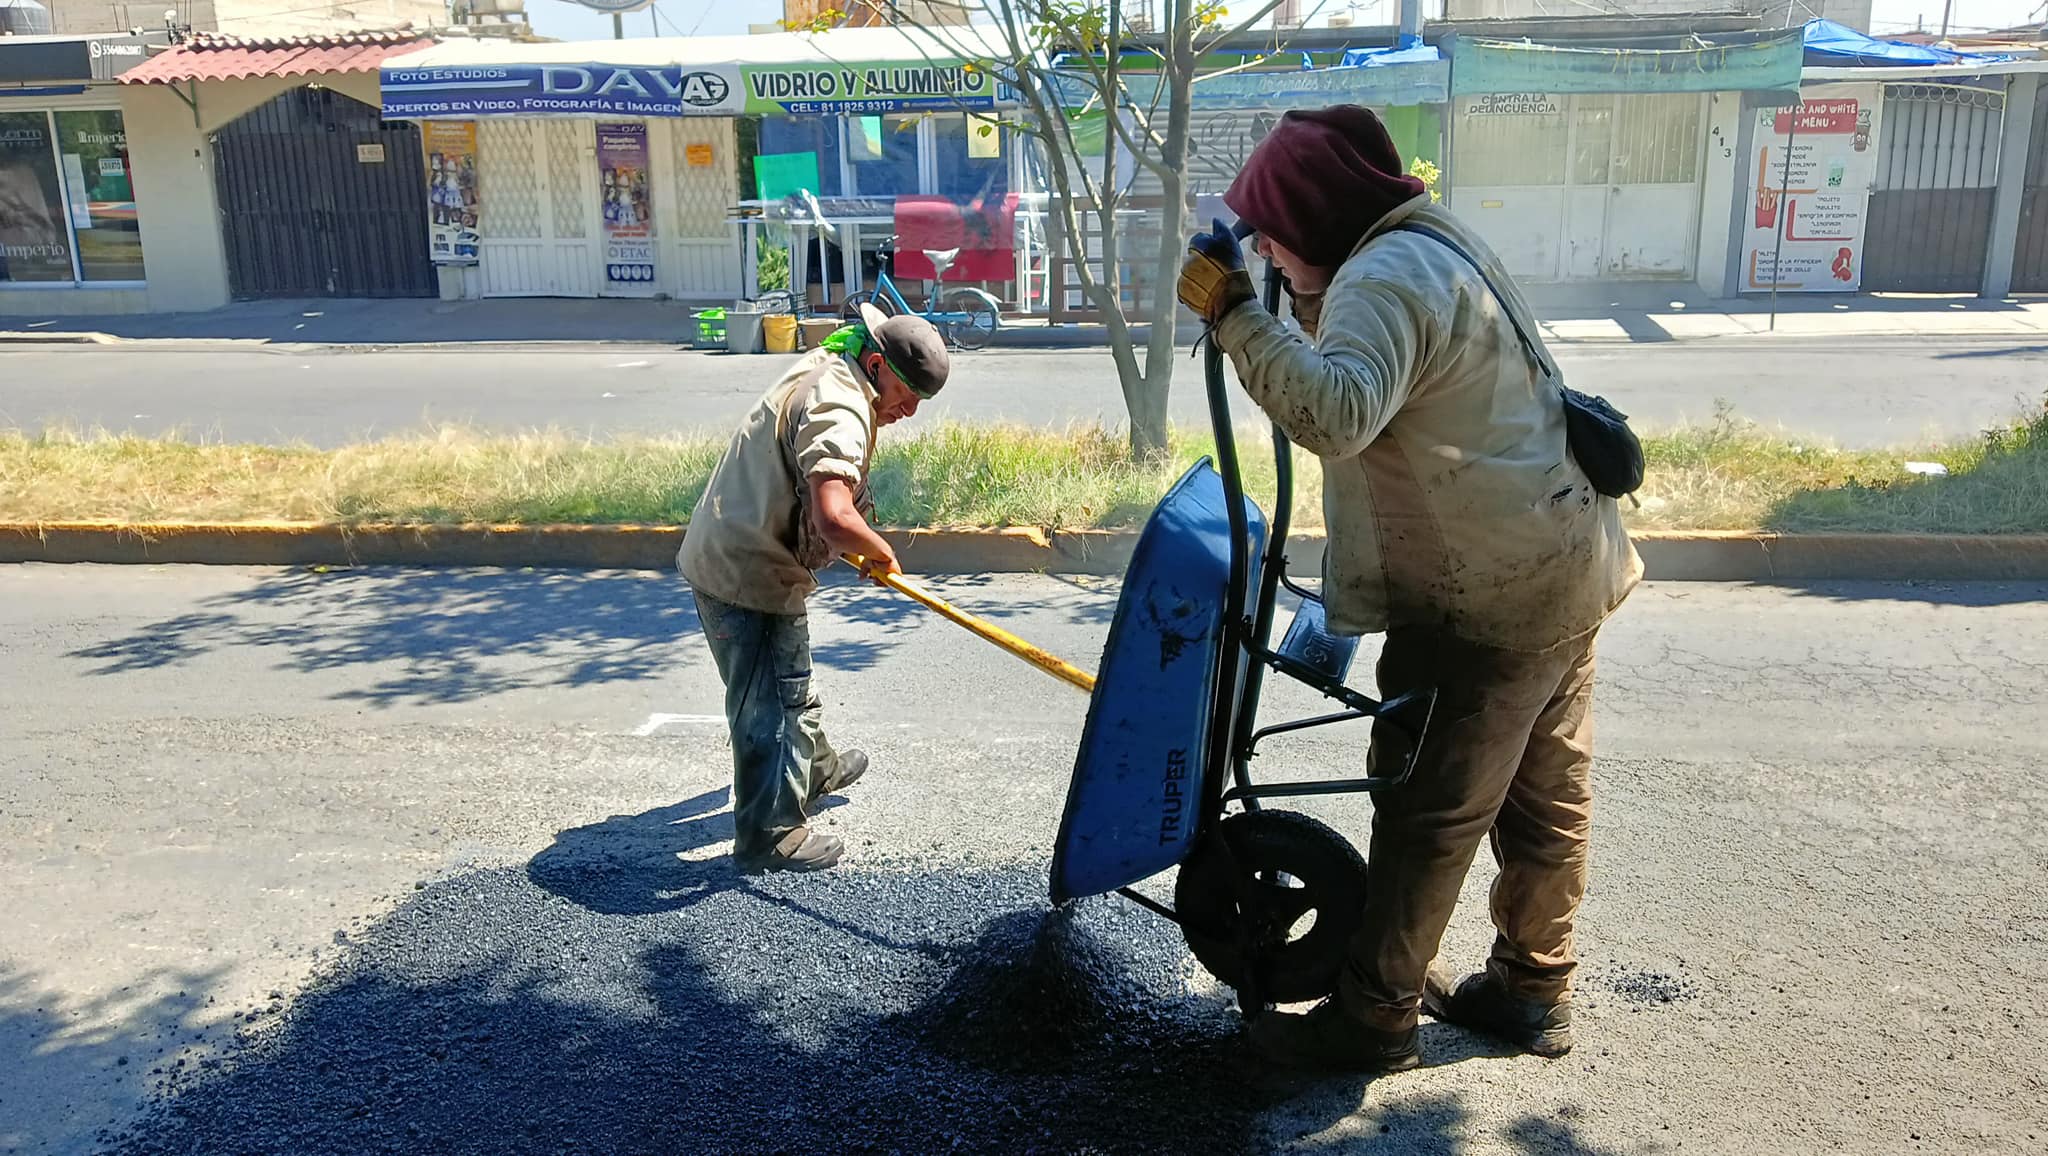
(852,341)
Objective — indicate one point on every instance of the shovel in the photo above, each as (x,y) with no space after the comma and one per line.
(1064,671)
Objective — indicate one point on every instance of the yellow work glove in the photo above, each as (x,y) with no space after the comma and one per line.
(1213,280)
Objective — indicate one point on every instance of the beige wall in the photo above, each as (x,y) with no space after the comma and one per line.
(174,191)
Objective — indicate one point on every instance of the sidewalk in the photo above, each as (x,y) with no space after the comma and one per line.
(1597,314)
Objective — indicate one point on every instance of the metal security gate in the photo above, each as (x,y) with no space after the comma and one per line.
(321,197)
(2030,259)
(1929,224)
(1581,188)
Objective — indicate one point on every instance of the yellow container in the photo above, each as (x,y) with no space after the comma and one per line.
(780,332)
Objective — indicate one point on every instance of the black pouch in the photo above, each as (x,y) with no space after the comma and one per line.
(1607,450)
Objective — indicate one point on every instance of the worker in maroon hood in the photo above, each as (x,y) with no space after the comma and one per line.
(1462,527)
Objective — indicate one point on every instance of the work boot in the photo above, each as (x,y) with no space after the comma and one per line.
(1480,1003)
(847,768)
(1326,1038)
(800,850)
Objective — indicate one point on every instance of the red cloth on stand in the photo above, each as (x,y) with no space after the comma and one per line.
(984,232)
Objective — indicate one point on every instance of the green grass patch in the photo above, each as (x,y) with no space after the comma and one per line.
(1724,475)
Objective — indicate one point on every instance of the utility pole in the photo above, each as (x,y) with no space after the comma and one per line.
(1946,7)
(1779,218)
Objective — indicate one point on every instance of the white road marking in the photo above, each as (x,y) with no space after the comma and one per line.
(632,365)
(658,720)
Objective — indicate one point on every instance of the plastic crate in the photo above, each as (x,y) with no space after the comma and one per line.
(710,329)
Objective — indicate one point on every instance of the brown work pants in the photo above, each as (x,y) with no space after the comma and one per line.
(1509,750)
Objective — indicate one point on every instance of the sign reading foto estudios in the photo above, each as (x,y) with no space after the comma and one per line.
(464,90)
(469,90)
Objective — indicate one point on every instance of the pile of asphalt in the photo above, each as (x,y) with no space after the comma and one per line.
(618,1003)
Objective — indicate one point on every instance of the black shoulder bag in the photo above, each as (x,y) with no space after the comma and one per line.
(1606,449)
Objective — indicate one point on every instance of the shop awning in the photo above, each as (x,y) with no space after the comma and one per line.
(1723,62)
(212,57)
(850,70)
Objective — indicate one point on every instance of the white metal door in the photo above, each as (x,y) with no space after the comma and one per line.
(1509,153)
(1522,225)
(1653,201)
(1651,230)
(699,248)
(1585,231)
(536,236)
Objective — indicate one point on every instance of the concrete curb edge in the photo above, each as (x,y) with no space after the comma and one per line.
(1714,556)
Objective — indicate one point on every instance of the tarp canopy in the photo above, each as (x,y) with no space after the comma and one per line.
(1834,45)
(1721,62)
(1382,77)
(849,70)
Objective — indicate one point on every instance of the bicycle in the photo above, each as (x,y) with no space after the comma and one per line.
(967,317)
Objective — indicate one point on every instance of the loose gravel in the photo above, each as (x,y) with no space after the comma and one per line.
(597,1004)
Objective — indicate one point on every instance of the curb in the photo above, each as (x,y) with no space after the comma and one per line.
(1672,556)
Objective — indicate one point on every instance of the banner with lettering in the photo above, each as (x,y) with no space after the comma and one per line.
(1810,172)
(870,88)
(454,204)
(623,183)
(419,92)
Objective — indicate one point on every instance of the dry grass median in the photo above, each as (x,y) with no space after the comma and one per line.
(1724,476)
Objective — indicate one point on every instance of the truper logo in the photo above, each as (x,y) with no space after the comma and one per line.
(1174,804)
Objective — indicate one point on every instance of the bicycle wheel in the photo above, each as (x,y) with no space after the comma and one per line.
(976,321)
(851,309)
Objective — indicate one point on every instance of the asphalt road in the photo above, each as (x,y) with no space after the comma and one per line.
(433,861)
(1862,392)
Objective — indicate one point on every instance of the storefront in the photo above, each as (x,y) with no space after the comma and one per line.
(639,167)
(69,237)
(1590,163)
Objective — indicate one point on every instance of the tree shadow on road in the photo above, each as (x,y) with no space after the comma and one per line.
(433,636)
(428,636)
(885,1010)
(71,1065)
(1957,594)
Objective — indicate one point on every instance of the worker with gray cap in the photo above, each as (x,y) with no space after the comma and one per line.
(791,494)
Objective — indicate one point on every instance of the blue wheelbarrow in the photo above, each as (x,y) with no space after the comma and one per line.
(1267,899)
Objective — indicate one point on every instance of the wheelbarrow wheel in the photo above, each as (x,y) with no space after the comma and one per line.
(1268,901)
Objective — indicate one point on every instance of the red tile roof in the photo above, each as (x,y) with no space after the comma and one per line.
(210,56)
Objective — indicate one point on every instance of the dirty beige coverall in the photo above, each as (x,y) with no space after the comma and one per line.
(1461,527)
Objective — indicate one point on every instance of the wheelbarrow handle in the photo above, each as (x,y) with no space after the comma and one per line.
(1052,665)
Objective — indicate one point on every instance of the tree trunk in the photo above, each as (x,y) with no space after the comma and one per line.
(1148,403)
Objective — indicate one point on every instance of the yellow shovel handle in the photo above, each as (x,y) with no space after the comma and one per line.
(1058,668)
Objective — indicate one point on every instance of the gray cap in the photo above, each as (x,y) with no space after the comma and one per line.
(913,348)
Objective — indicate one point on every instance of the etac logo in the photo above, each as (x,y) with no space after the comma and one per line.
(704,89)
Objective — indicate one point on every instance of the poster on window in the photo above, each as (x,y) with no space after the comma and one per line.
(1810,172)
(35,234)
(453,206)
(94,149)
(628,209)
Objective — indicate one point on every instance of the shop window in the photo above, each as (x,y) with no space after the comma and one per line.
(67,199)
(883,150)
(972,155)
(97,179)
(818,135)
